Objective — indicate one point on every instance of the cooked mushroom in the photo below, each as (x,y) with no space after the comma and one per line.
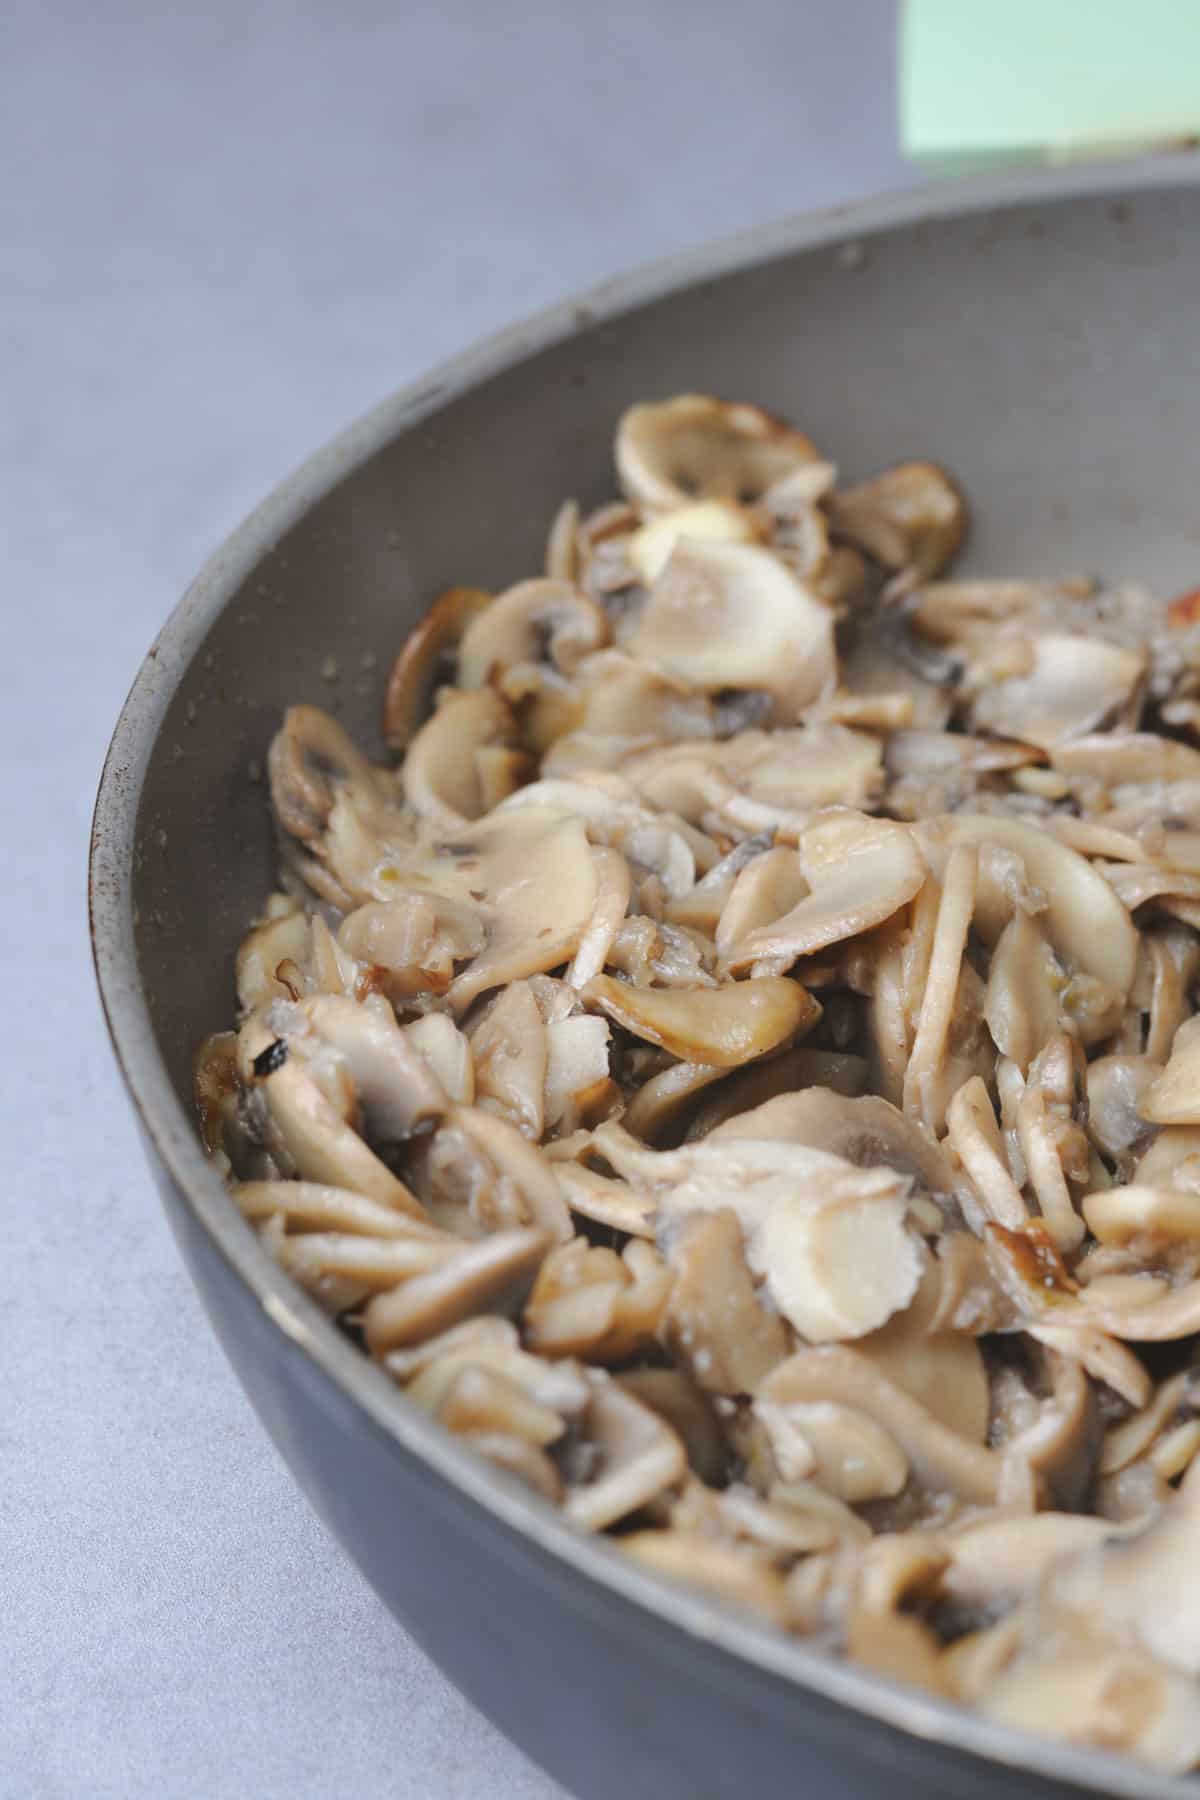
(1174,1098)
(721,1026)
(1073,685)
(529,620)
(492,1275)
(650,548)
(715,1321)
(910,517)
(422,663)
(724,615)
(588,1301)
(441,774)
(694,447)
(636,1455)
(859,871)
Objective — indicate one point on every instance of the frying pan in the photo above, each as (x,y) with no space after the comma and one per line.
(1038,334)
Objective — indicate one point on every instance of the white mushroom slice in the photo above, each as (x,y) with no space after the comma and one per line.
(311,1131)
(1124,758)
(1122,1215)
(650,547)
(638,1456)
(841,1270)
(1174,1098)
(1075,683)
(606,1202)
(998,1560)
(768,1079)
(715,1322)
(423,663)
(396,1088)
(533,619)
(1116,1089)
(1106,1695)
(441,777)
(538,882)
(562,543)
(951,610)
(1084,919)
(269,957)
(937,1456)
(577,1078)
(910,517)
(524,1165)
(368,1265)
(621,698)
(438,1040)
(688,1411)
(480,1399)
(407,945)
(1052,1144)
(766,889)
(859,870)
(607,808)
(693,446)
(725,1571)
(725,615)
(1126,1442)
(842,1449)
(943,1371)
(492,1275)
(1173,1159)
(587,1301)
(311,761)
(974,1136)
(922,1098)
(508,1049)
(314,1206)
(612,903)
(721,1026)
(1024,1000)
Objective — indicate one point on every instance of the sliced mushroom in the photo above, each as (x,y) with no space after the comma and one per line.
(636,1454)
(974,1136)
(695,447)
(492,1275)
(938,1456)
(715,1322)
(724,615)
(1074,684)
(509,1052)
(1174,1098)
(423,662)
(577,1088)
(1024,1000)
(721,1026)
(441,777)
(397,1091)
(650,547)
(910,517)
(587,1301)
(522,1163)
(411,944)
(859,870)
(725,1572)
(533,619)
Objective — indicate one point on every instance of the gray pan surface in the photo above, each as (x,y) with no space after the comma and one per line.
(1040,335)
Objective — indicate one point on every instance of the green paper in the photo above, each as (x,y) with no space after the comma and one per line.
(982,86)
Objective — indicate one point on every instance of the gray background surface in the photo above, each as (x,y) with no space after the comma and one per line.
(223,233)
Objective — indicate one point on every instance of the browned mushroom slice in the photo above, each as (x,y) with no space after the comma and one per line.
(410,944)
(273,958)
(859,870)
(673,452)
(634,1456)
(589,1302)
(725,615)
(838,1072)
(310,759)
(529,621)
(942,1370)
(492,1275)
(314,1206)
(715,1322)
(721,1026)
(910,517)
(397,1091)
(424,662)
(521,1164)
(441,777)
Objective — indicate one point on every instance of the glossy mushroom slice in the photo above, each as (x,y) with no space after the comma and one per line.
(724,615)
(694,447)
(441,774)
(532,620)
(631,1456)
(1073,684)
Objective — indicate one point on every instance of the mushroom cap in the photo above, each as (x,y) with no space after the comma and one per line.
(532,619)
(672,452)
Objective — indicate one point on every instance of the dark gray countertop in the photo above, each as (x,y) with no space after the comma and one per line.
(223,233)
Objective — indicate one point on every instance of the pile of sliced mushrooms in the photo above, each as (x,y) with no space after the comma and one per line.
(737,1069)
